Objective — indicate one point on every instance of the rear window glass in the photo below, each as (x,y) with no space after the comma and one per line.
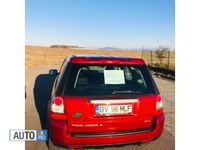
(95,80)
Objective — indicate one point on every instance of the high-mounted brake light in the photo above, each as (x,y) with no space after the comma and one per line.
(57,105)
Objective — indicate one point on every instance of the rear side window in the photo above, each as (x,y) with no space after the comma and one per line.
(91,80)
(61,72)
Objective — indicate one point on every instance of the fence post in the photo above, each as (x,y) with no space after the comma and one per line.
(142,54)
(168,59)
(151,58)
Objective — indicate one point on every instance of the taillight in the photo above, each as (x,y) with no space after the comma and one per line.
(159,104)
(57,105)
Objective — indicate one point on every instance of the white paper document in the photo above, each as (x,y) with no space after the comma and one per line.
(114,77)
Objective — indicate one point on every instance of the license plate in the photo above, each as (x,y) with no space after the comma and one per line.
(113,109)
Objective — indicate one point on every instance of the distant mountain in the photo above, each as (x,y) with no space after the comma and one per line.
(109,48)
(64,46)
(115,48)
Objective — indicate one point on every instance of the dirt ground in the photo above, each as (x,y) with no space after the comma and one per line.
(34,111)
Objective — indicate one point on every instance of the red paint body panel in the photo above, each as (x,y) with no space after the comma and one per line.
(143,110)
(60,136)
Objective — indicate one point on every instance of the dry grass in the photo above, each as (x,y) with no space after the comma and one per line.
(44,56)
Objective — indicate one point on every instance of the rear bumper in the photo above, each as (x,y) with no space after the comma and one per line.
(60,136)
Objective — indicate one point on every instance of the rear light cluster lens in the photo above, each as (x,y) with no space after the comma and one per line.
(57,105)
(159,103)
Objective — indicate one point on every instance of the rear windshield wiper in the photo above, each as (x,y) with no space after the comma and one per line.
(128,91)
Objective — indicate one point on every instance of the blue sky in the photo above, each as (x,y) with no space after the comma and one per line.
(100,23)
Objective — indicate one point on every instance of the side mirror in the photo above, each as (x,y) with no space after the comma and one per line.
(53,72)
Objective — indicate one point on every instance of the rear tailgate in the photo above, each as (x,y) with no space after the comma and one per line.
(83,114)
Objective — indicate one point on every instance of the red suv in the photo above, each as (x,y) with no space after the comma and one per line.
(103,100)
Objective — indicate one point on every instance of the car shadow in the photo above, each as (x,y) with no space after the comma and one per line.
(42,93)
